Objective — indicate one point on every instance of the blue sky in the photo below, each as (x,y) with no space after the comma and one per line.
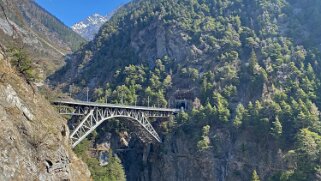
(72,11)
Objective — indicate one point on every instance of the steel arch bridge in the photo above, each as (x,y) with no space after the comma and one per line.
(93,114)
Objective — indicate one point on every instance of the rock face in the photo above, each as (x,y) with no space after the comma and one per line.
(178,159)
(89,27)
(33,138)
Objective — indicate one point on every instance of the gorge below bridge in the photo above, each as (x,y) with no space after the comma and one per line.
(92,114)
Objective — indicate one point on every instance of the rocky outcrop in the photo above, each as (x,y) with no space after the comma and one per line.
(157,40)
(33,138)
(230,157)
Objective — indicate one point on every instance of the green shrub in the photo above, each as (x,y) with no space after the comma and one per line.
(23,64)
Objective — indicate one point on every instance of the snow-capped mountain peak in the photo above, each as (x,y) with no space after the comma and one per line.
(90,26)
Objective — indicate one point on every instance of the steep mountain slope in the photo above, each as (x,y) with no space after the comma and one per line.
(89,27)
(33,139)
(45,37)
(252,85)
(304,25)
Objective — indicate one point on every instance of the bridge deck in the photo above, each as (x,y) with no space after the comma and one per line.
(95,104)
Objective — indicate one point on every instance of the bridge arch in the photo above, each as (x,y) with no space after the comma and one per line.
(85,128)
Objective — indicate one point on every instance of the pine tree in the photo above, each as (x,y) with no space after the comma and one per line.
(253,62)
(221,104)
(276,127)
(237,122)
(255,176)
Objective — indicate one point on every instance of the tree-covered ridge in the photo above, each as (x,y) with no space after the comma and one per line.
(29,16)
(139,86)
(66,34)
(304,25)
(233,59)
(25,25)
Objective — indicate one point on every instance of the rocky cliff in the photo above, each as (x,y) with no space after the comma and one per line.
(34,138)
(232,157)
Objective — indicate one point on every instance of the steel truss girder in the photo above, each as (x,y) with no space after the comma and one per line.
(94,116)
(73,111)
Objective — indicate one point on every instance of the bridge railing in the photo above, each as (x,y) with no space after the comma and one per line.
(94,104)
